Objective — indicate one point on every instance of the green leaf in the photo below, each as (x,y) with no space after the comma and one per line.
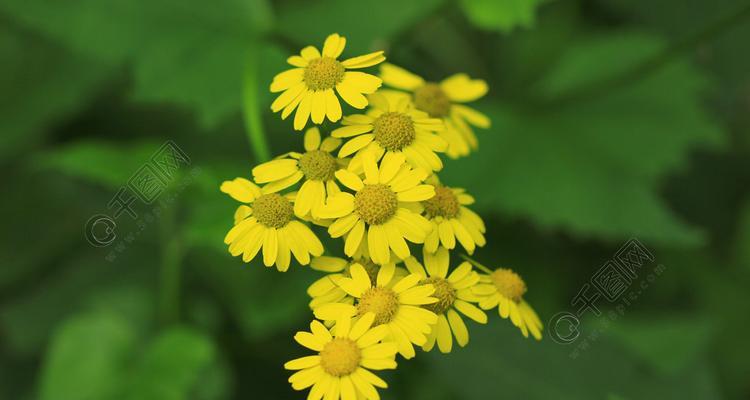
(172,366)
(87,358)
(35,96)
(669,344)
(185,52)
(503,16)
(593,167)
(79,159)
(365,27)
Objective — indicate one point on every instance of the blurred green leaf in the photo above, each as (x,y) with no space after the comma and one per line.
(190,53)
(593,167)
(366,27)
(86,359)
(84,159)
(172,366)
(670,344)
(36,96)
(503,16)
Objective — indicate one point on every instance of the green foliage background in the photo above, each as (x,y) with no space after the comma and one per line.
(612,119)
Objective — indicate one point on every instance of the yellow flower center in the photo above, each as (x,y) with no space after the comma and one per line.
(444,292)
(394,130)
(318,165)
(273,210)
(375,204)
(340,357)
(323,73)
(432,100)
(381,301)
(444,204)
(509,284)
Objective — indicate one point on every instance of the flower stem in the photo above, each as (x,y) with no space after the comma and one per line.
(251,109)
(476,263)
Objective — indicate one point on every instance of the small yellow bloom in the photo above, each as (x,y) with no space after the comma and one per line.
(441,100)
(316,165)
(340,370)
(454,295)
(309,88)
(384,210)
(395,302)
(393,127)
(452,220)
(504,289)
(267,220)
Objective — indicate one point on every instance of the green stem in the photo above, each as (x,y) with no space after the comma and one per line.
(252,109)
(659,60)
(476,263)
(171,263)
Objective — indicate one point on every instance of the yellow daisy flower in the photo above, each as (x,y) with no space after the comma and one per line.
(441,100)
(326,290)
(267,221)
(454,295)
(451,220)
(341,369)
(383,211)
(395,305)
(504,289)
(316,165)
(308,88)
(393,127)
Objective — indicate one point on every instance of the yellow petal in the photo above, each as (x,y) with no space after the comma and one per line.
(241,189)
(364,61)
(458,327)
(461,88)
(312,139)
(318,106)
(399,78)
(333,107)
(303,111)
(310,53)
(362,82)
(287,79)
(350,95)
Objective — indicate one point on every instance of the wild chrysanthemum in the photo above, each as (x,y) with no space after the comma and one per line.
(308,88)
(452,220)
(383,211)
(440,100)
(340,370)
(395,305)
(454,295)
(393,127)
(326,290)
(267,221)
(504,289)
(316,165)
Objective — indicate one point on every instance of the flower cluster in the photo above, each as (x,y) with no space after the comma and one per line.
(372,181)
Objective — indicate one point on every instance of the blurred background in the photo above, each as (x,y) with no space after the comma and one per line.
(612,120)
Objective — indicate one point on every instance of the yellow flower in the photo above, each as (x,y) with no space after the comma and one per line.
(317,166)
(504,289)
(440,100)
(453,293)
(395,303)
(340,370)
(309,87)
(451,220)
(267,221)
(326,290)
(384,210)
(393,127)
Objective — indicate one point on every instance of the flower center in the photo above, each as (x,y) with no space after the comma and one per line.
(444,204)
(509,284)
(273,210)
(444,292)
(432,100)
(318,165)
(340,357)
(375,204)
(323,73)
(394,130)
(381,301)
